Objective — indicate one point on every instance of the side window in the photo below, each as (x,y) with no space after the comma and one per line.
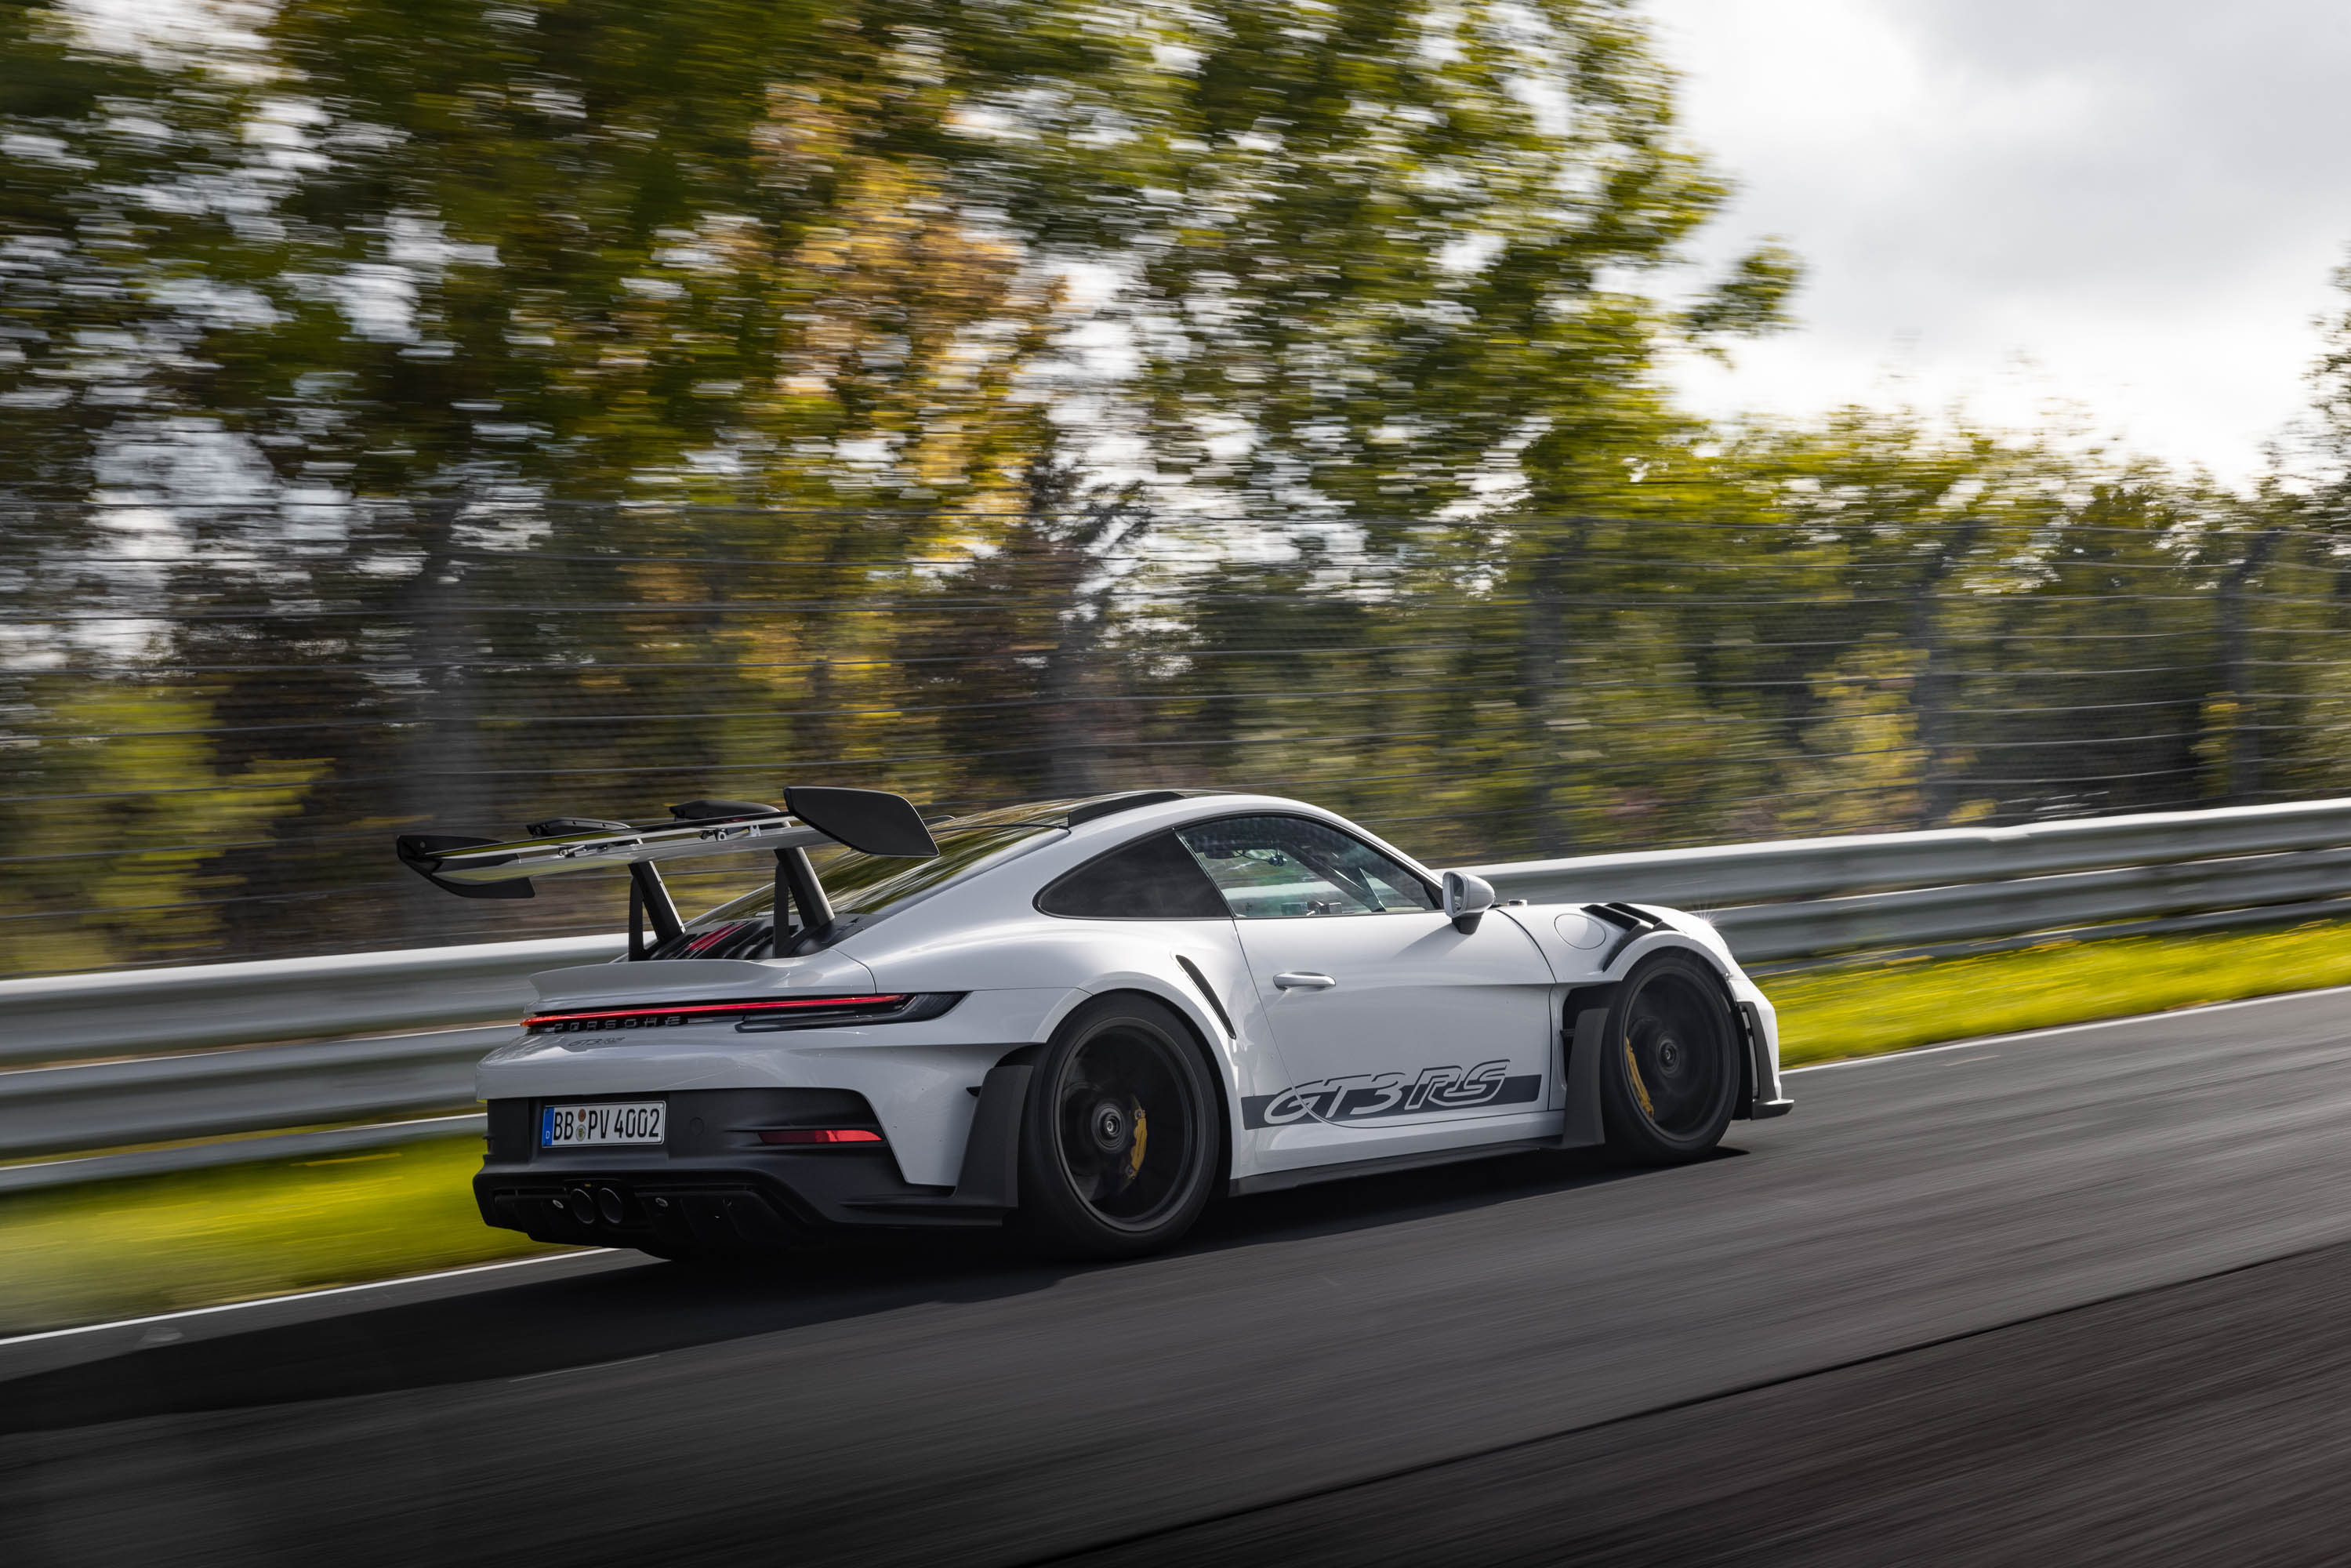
(1154,879)
(1272,868)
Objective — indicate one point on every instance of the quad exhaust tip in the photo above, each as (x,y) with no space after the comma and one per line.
(588,1206)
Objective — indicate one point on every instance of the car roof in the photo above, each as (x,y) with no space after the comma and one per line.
(1136,812)
(1069,813)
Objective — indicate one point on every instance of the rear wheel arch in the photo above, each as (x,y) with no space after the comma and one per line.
(1178,995)
(1219,1068)
(1172,990)
(1122,1138)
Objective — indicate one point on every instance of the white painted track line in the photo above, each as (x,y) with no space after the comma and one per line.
(303,1296)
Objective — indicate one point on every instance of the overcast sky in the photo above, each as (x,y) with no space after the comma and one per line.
(2132,205)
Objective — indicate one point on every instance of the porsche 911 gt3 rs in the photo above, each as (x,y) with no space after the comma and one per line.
(1083,1019)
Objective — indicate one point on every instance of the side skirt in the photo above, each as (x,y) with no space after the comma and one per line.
(1278,1181)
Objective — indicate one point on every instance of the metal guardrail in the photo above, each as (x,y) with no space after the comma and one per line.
(1815,898)
(218,1093)
(112,1085)
(58,1018)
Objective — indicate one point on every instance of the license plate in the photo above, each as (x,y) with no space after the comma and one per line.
(618,1122)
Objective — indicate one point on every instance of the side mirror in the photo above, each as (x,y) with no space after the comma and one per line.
(1467,898)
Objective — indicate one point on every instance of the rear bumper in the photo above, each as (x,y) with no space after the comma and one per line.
(711,1184)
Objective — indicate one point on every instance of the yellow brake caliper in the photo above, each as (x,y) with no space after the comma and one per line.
(1640,1090)
(1134,1154)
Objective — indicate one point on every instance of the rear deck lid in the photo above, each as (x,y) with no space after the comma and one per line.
(828,973)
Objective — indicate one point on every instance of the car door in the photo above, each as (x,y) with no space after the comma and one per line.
(1397,1030)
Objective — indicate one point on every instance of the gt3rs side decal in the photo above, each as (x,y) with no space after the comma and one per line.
(1384,1096)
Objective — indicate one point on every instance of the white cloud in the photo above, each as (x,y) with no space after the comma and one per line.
(2129,205)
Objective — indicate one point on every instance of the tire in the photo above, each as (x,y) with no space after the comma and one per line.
(1669,1069)
(1120,1136)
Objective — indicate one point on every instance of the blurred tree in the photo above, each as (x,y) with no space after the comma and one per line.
(2330,384)
(507,407)
(588,263)
(132,232)
(1380,255)
(120,871)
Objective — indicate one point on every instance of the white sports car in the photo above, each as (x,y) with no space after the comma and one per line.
(1083,1019)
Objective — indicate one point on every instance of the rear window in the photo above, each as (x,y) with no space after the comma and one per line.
(1154,879)
(862,888)
(867,884)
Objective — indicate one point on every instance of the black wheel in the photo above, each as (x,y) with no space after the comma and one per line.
(1119,1138)
(1669,1074)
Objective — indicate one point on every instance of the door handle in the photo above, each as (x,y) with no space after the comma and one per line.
(1299,980)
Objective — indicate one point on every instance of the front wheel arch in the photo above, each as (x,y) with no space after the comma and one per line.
(1673,1061)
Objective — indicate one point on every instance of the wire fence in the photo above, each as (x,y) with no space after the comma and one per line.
(212,720)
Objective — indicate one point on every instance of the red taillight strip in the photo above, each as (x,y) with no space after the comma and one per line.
(819,1135)
(797,1003)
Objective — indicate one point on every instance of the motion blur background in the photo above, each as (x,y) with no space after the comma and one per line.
(456,414)
(1535,428)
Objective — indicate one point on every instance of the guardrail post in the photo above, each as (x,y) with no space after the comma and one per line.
(2236,670)
(1075,532)
(1548,829)
(1931,694)
(440,765)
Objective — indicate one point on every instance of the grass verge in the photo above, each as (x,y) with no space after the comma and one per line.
(1827,1014)
(153,1244)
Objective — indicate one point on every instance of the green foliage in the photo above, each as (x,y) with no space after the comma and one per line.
(607,236)
(605,250)
(127,238)
(1752,300)
(1383,246)
(107,871)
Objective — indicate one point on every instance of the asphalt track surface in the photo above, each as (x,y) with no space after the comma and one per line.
(2080,1297)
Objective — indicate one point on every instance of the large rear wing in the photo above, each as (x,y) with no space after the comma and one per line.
(869,821)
